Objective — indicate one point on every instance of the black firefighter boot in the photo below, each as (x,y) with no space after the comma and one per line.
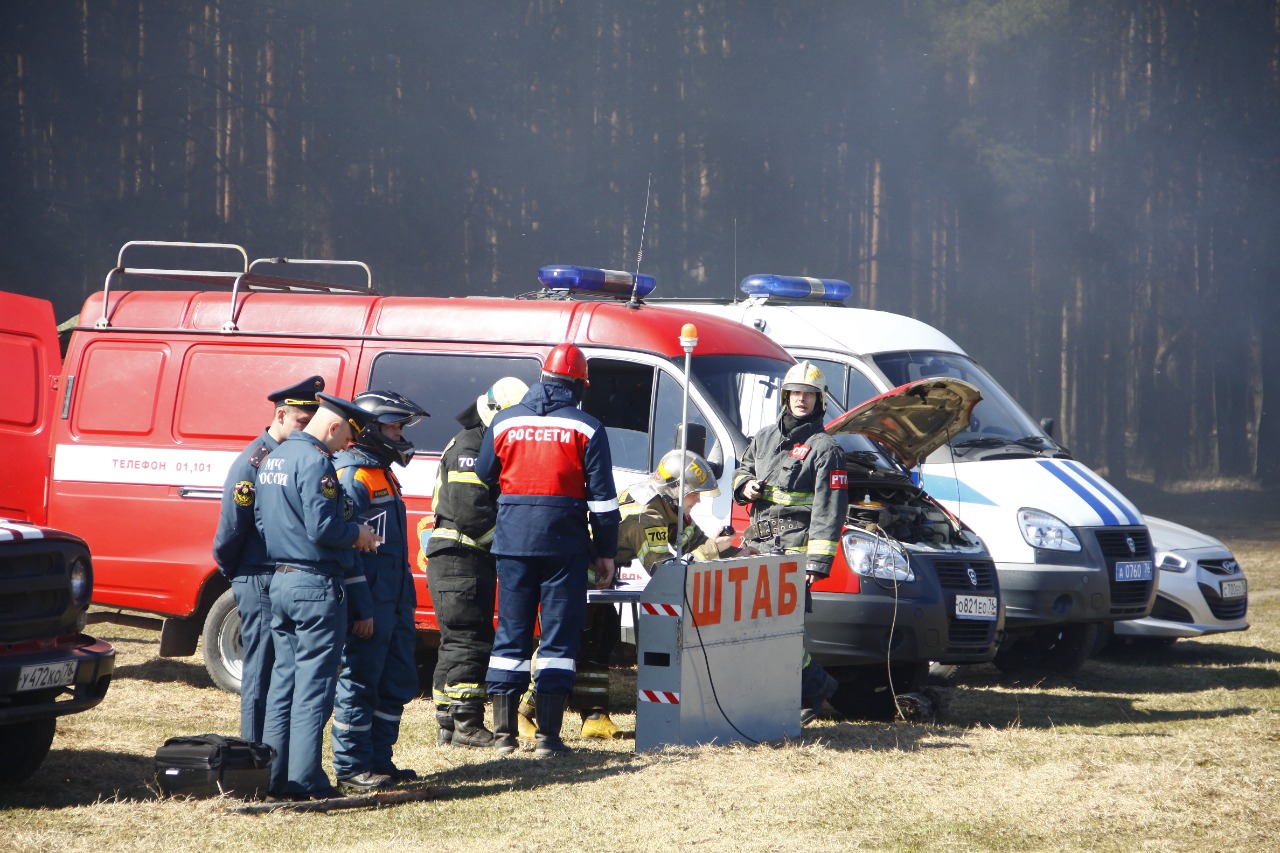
(444,723)
(549,717)
(468,725)
(504,722)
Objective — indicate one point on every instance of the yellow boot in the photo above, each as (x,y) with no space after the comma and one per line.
(596,723)
(524,722)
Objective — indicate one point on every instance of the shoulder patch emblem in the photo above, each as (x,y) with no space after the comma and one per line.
(839,479)
(656,535)
(348,508)
(329,487)
(243,493)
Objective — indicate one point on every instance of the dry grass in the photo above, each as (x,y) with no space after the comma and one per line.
(1171,751)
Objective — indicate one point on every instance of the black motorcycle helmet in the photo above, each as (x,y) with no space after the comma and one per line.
(388,407)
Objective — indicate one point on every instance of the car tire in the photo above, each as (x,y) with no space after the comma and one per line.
(1059,649)
(24,746)
(223,650)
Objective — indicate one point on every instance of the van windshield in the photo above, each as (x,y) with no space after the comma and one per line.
(744,388)
(997,420)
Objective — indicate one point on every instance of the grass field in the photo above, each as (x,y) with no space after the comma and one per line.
(1176,750)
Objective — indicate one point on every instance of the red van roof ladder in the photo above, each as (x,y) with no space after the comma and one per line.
(245,278)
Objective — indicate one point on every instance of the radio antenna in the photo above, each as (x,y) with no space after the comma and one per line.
(635,279)
(733,288)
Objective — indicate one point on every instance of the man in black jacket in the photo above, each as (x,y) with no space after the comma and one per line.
(461,573)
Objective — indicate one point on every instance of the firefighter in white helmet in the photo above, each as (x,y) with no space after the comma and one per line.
(650,517)
(462,574)
(794,478)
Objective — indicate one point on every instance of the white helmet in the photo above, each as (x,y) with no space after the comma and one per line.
(698,476)
(507,391)
(805,376)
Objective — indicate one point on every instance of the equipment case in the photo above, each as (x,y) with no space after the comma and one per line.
(208,765)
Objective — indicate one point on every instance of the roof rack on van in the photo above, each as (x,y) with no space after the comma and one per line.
(244,277)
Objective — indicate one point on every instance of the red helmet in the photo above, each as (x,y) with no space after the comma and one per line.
(566,361)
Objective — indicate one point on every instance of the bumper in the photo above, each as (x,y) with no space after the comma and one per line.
(1037,595)
(1191,604)
(94,665)
(854,630)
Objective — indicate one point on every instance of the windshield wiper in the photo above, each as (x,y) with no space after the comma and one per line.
(975,443)
(1034,443)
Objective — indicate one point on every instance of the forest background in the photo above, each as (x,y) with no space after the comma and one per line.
(1083,193)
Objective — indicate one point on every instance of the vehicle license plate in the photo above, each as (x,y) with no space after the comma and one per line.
(1234,589)
(1137,570)
(46,675)
(976,607)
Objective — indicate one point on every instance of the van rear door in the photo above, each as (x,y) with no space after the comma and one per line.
(28,396)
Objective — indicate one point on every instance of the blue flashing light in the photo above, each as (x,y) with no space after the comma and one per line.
(592,280)
(797,287)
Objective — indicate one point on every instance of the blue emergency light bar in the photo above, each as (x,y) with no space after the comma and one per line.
(797,287)
(592,280)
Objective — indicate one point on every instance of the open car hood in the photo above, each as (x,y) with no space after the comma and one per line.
(912,420)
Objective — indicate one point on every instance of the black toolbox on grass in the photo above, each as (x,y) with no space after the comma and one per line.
(208,765)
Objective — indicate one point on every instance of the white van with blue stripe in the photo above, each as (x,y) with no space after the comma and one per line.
(1071,551)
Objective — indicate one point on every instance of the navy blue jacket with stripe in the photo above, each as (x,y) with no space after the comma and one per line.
(552,466)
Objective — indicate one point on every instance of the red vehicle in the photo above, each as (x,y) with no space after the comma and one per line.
(128,438)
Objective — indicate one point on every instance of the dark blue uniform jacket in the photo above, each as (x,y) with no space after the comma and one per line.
(552,465)
(237,547)
(299,509)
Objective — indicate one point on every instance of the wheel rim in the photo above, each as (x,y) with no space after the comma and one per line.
(230,646)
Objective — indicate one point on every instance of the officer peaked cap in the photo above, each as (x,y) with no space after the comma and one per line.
(302,395)
(360,418)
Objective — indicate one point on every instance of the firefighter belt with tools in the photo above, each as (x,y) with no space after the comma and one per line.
(771,528)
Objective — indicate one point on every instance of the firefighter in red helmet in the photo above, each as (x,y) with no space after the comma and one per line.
(551,464)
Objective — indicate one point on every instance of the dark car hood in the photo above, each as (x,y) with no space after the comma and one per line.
(912,420)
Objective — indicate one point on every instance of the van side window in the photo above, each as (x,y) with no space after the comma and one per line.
(444,385)
(860,389)
(118,388)
(666,435)
(242,376)
(837,396)
(621,397)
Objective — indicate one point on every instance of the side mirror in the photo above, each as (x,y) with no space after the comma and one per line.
(1047,424)
(697,438)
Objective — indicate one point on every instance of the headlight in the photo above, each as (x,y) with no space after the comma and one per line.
(81,581)
(872,556)
(1169,562)
(1042,530)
